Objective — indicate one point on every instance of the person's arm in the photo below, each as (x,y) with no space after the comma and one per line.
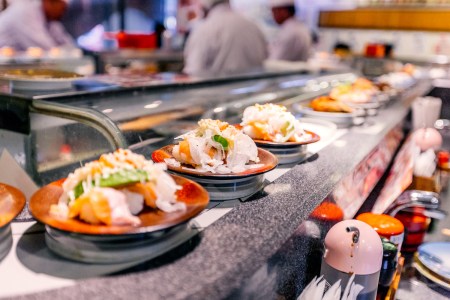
(60,35)
(33,31)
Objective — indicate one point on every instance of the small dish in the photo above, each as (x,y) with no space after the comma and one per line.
(288,152)
(314,138)
(430,275)
(12,201)
(39,79)
(374,104)
(436,257)
(224,186)
(153,222)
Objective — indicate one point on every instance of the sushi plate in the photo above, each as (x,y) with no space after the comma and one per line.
(314,138)
(154,223)
(370,108)
(289,152)
(12,201)
(340,119)
(224,186)
(267,161)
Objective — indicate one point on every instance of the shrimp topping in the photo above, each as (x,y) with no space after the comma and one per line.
(217,147)
(271,122)
(114,188)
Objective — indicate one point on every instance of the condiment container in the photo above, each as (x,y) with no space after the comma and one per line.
(386,226)
(326,215)
(389,263)
(428,138)
(416,225)
(444,160)
(353,247)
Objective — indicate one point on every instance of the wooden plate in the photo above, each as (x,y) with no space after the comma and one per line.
(267,159)
(314,138)
(152,220)
(12,201)
(263,143)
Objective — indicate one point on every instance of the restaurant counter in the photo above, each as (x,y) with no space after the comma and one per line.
(413,284)
(260,247)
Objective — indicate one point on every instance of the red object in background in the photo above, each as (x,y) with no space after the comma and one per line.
(416,225)
(375,50)
(328,211)
(136,40)
(65,152)
(444,160)
(326,215)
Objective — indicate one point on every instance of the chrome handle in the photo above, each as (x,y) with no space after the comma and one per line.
(85,116)
(414,198)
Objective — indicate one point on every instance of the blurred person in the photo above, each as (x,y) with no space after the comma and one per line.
(224,42)
(34,23)
(3,4)
(189,13)
(293,41)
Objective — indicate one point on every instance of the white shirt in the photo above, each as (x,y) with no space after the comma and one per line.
(24,25)
(293,42)
(224,43)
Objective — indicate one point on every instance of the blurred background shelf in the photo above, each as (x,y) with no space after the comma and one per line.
(405,18)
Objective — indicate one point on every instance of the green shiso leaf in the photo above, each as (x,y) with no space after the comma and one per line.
(221,140)
(118,179)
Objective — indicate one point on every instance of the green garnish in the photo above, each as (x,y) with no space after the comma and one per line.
(388,246)
(221,140)
(118,179)
(287,127)
(78,190)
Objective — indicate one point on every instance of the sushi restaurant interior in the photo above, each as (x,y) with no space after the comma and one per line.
(225,149)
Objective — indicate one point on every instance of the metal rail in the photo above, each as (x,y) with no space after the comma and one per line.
(85,116)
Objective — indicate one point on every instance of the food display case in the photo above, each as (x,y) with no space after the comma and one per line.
(262,246)
(62,129)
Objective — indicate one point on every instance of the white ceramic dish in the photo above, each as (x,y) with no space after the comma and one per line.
(427,274)
(436,257)
(325,129)
(39,80)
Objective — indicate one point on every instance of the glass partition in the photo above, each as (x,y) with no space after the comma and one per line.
(51,138)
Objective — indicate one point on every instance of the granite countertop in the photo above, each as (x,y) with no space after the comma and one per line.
(231,250)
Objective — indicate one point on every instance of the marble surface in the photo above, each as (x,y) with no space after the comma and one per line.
(238,246)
